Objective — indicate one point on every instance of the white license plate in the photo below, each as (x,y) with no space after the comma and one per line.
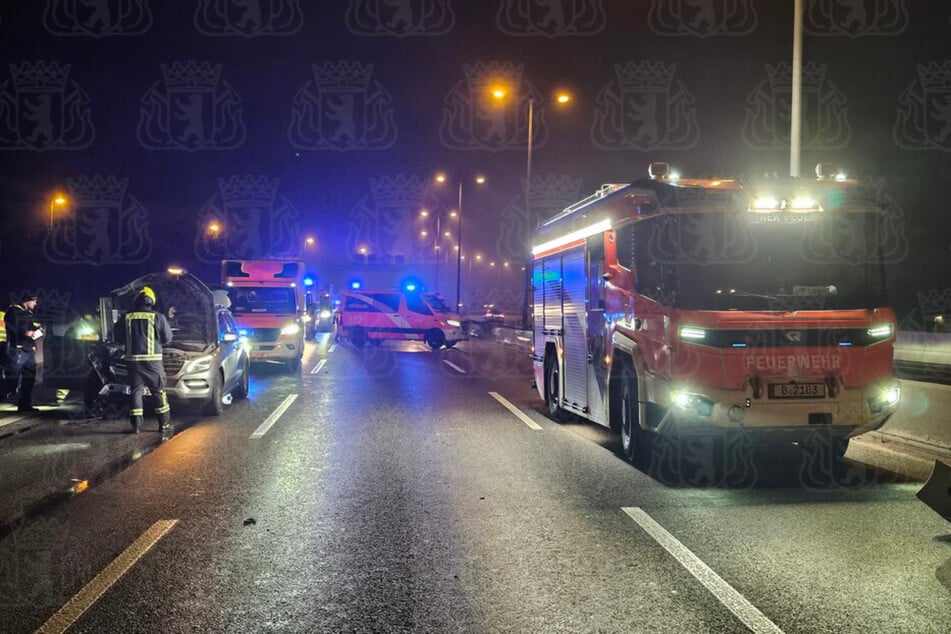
(797,390)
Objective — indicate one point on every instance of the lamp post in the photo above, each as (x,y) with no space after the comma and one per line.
(795,113)
(441,178)
(57,199)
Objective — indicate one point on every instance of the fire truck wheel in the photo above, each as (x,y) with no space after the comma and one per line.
(435,338)
(632,435)
(553,388)
(358,337)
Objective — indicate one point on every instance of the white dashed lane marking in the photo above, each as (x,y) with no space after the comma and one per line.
(518,413)
(276,414)
(454,366)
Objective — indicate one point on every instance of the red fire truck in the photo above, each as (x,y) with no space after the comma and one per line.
(673,306)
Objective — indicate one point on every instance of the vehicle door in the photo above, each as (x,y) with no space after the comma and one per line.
(418,313)
(392,317)
(229,348)
(597,329)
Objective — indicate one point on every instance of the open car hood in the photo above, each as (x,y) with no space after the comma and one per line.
(195,317)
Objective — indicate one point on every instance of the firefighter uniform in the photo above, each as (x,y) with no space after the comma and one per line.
(22,331)
(144,332)
(4,356)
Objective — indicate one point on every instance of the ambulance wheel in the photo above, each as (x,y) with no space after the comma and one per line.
(358,337)
(632,436)
(553,388)
(244,386)
(435,338)
(213,406)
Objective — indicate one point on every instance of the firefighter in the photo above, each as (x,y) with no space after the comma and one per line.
(144,331)
(4,357)
(22,333)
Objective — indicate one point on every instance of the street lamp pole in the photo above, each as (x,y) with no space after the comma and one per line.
(528,210)
(795,127)
(459,252)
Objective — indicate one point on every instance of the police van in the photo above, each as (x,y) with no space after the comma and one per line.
(377,315)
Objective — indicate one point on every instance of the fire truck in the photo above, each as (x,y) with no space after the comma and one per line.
(267,300)
(672,306)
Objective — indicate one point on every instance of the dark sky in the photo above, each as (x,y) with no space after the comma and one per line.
(284,118)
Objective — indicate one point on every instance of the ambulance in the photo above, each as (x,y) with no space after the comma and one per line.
(373,316)
(268,303)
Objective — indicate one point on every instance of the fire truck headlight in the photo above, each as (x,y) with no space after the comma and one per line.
(804,202)
(290,329)
(882,331)
(696,402)
(886,398)
(454,323)
(764,202)
(692,333)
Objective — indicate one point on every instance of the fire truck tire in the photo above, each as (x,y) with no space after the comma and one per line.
(358,337)
(553,388)
(633,438)
(435,338)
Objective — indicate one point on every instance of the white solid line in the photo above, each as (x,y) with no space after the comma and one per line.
(518,413)
(270,420)
(454,366)
(92,591)
(735,602)
(332,347)
(319,366)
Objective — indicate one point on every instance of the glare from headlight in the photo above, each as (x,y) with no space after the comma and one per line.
(306,318)
(201,364)
(454,323)
(290,329)
(883,331)
(325,314)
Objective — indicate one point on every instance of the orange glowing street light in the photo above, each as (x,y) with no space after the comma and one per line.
(57,199)
(214,228)
(310,241)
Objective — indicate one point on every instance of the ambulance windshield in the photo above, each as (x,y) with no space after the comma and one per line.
(277,300)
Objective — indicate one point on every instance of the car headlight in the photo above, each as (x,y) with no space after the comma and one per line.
(201,364)
(454,323)
(325,314)
(290,329)
(306,318)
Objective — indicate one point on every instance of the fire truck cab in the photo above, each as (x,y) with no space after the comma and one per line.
(267,300)
(672,306)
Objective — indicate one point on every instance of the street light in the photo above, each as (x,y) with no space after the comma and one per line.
(441,178)
(57,199)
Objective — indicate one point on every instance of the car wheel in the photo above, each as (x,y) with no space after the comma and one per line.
(435,338)
(214,406)
(244,385)
(553,388)
(294,365)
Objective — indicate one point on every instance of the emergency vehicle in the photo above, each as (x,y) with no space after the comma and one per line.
(673,306)
(377,315)
(267,300)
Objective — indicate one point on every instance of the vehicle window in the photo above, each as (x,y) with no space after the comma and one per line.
(624,244)
(436,302)
(262,300)
(357,305)
(416,304)
(389,300)
(225,325)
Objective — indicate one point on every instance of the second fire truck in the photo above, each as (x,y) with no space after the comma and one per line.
(674,306)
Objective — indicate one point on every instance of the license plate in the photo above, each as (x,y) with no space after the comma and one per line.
(797,390)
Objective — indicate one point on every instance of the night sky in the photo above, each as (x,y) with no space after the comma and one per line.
(287,118)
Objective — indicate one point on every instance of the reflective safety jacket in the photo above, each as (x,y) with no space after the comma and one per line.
(143,332)
(3,327)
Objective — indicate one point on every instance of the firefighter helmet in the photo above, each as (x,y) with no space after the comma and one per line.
(146,294)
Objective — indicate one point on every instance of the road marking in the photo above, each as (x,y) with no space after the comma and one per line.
(735,602)
(12,419)
(454,366)
(518,413)
(92,591)
(332,347)
(270,420)
(319,366)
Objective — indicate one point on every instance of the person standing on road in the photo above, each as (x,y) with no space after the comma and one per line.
(144,331)
(22,333)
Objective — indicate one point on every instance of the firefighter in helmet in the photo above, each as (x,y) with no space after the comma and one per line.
(144,331)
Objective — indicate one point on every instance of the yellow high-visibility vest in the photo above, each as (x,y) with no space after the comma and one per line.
(3,329)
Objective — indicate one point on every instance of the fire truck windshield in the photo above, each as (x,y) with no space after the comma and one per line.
(746,261)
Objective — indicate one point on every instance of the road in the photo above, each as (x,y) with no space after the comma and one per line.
(388,490)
